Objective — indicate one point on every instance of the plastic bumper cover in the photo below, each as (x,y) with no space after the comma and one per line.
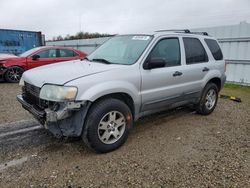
(2,72)
(38,114)
(68,121)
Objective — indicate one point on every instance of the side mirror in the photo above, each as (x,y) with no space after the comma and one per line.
(154,64)
(35,57)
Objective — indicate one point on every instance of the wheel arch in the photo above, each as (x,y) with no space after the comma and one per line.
(124,91)
(22,67)
(122,96)
(216,81)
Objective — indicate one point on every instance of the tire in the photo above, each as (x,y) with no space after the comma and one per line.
(13,74)
(107,125)
(207,104)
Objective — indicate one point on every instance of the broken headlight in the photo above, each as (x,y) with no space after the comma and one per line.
(58,93)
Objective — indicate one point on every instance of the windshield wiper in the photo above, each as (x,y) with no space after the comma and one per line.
(102,60)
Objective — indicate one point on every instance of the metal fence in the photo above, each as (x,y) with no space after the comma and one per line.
(235,44)
(85,45)
(237,54)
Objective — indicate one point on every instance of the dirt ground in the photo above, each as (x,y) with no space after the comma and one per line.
(171,149)
(10,109)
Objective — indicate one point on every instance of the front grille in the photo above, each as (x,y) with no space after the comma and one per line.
(31,95)
(31,89)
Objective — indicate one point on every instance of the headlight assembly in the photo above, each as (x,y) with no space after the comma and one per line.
(58,93)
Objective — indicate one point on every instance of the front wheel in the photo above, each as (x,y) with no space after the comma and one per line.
(107,125)
(208,99)
(13,74)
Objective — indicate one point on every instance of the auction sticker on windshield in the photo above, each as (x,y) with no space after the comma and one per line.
(140,38)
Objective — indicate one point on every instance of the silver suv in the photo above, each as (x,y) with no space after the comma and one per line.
(129,76)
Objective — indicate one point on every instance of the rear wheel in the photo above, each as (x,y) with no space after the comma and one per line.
(13,74)
(107,125)
(208,99)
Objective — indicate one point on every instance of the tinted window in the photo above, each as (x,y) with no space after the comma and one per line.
(195,52)
(214,48)
(167,50)
(67,53)
(29,52)
(47,53)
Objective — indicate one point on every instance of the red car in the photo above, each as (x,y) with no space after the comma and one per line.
(12,67)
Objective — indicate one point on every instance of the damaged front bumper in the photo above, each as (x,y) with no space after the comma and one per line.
(66,120)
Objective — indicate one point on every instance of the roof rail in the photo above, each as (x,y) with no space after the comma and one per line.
(200,33)
(183,31)
(175,30)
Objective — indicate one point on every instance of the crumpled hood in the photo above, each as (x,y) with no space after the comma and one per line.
(61,73)
(7,56)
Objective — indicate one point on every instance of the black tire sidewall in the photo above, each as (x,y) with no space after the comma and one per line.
(202,107)
(96,113)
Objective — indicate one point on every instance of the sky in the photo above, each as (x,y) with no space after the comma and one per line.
(62,17)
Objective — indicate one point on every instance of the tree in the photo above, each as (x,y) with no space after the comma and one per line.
(59,37)
(81,35)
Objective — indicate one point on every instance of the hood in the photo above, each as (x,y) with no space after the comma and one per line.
(7,56)
(61,73)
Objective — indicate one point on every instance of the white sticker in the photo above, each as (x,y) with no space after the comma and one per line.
(140,37)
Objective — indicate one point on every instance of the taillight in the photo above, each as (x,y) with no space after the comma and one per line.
(225,67)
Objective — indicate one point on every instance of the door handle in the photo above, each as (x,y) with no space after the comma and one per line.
(177,73)
(205,69)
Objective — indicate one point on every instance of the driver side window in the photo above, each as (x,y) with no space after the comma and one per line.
(51,53)
(167,50)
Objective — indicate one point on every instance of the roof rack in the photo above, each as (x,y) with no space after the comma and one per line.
(175,30)
(200,33)
(183,31)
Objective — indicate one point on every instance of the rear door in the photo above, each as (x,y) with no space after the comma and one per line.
(196,66)
(67,55)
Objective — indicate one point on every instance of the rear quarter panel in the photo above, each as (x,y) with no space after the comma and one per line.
(217,68)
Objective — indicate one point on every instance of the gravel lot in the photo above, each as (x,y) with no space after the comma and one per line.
(10,109)
(170,149)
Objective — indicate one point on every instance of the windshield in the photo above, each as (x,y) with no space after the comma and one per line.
(121,49)
(29,52)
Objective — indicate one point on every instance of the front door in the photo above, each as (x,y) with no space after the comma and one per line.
(163,86)
(43,57)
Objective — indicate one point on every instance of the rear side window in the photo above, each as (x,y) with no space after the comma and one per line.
(67,53)
(195,52)
(214,48)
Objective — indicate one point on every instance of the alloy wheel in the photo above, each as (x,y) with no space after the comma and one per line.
(14,74)
(210,99)
(111,127)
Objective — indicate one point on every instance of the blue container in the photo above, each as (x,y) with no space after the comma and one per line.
(17,42)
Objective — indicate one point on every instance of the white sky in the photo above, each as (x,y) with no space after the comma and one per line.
(61,17)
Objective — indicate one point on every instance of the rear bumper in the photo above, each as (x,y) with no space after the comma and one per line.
(223,80)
